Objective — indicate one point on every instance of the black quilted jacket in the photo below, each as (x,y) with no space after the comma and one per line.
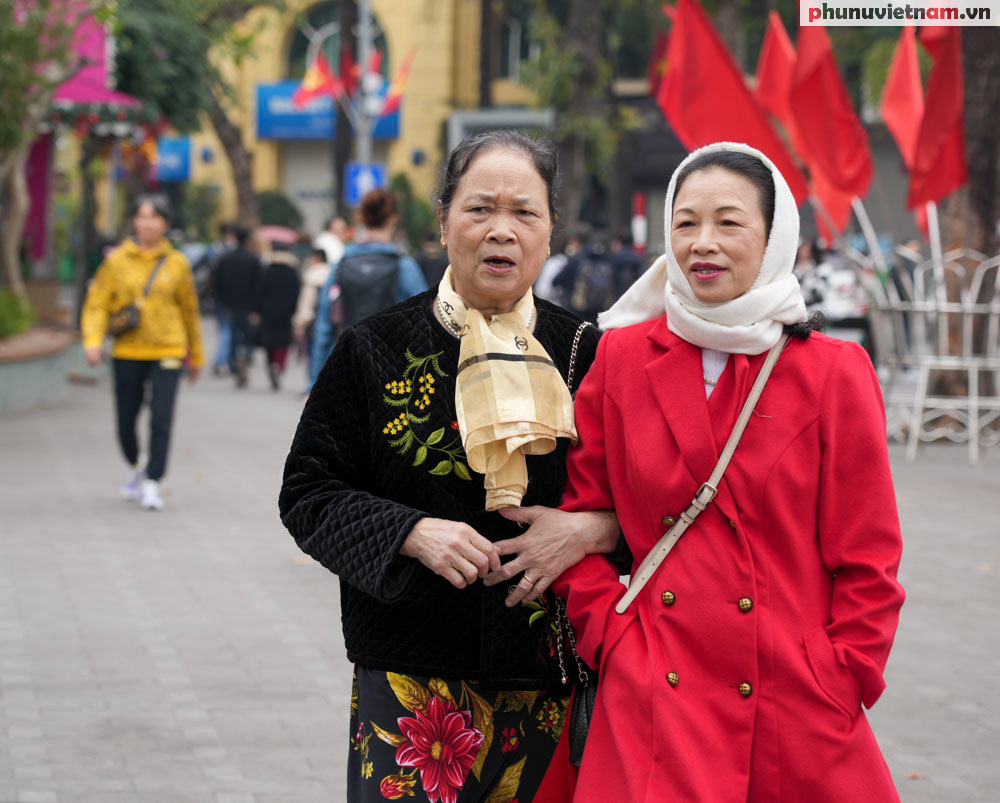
(377,449)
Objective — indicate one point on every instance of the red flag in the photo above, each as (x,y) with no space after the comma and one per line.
(705,99)
(398,85)
(939,166)
(903,96)
(835,202)
(657,63)
(775,72)
(903,106)
(775,68)
(826,120)
(318,80)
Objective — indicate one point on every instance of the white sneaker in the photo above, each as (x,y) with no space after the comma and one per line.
(151,499)
(132,487)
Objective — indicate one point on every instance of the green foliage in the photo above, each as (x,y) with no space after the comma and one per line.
(162,58)
(163,52)
(35,57)
(632,36)
(277,209)
(416,216)
(16,314)
(19,52)
(199,207)
(585,108)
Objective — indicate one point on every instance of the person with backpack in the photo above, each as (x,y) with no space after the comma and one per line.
(371,276)
(588,282)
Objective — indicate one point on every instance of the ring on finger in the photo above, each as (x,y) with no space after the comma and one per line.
(530,581)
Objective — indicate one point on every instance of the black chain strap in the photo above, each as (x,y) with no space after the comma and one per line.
(572,355)
(562,621)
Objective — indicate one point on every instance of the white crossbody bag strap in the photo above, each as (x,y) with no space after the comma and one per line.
(706,493)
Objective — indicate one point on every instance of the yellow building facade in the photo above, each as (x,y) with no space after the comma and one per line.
(444,79)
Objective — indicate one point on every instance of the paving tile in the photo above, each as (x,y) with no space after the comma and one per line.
(195,655)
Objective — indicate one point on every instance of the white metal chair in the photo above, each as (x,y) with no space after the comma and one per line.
(943,321)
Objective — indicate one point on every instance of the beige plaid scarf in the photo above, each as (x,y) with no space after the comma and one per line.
(510,398)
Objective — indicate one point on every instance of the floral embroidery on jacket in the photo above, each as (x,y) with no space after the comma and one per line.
(423,373)
(541,609)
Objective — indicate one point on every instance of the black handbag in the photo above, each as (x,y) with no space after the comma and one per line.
(127,318)
(579,719)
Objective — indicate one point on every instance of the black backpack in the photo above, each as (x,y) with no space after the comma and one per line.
(595,286)
(369,282)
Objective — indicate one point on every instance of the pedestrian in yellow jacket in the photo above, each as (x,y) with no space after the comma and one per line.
(155,351)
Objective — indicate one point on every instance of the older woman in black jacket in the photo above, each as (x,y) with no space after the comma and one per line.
(428,428)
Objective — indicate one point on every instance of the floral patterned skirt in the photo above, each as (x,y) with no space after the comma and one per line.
(435,739)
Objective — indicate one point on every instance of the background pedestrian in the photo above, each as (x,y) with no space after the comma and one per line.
(237,286)
(150,273)
(276,302)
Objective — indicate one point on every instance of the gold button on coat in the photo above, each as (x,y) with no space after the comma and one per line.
(732,524)
(745,604)
(668,521)
(668,597)
(673,679)
(746,689)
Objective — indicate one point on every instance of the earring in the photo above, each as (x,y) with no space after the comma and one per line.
(444,243)
(549,253)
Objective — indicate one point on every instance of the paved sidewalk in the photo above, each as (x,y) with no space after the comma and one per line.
(195,655)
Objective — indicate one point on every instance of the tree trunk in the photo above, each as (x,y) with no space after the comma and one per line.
(241,162)
(586,36)
(13,223)
(88,214)
(727,22)
(573,167)
(981,68)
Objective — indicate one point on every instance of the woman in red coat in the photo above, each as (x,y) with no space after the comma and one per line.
(739,671)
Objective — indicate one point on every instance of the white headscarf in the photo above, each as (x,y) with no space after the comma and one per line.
(749,324)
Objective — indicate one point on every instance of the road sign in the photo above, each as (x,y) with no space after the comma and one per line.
(360,178)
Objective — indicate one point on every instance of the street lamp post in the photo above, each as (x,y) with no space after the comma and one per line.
(363,130)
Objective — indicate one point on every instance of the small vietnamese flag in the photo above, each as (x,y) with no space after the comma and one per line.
(318,80)
(395,92)
(658,63)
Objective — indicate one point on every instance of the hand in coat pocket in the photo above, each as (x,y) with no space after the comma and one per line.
(835,680)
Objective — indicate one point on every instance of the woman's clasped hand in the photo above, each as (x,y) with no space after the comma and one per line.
(451,549)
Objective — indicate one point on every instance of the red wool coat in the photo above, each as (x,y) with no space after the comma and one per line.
(739,672)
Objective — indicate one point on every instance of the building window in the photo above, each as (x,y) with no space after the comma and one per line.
(515,48)
(321,29)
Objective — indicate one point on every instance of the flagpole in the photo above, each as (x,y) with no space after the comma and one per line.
(817,206)
(869,232)
(934,231)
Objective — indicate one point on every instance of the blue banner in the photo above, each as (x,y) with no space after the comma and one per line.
(173,159)
(279,118)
